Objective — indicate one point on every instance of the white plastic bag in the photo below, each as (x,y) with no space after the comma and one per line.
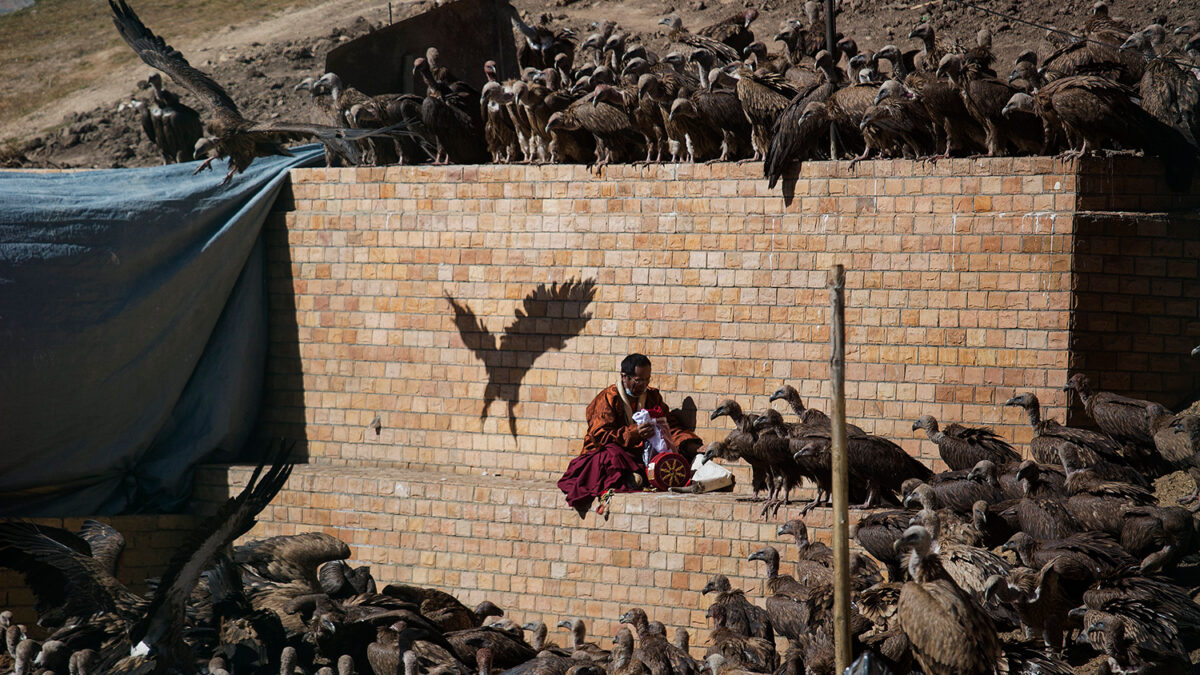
(709,476)
(656,443)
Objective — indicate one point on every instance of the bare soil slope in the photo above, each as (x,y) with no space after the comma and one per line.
(67,71)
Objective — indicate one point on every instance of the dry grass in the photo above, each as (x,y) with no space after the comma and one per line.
(61,46)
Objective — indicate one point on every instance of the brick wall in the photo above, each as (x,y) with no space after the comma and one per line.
(150,541)
(961,278)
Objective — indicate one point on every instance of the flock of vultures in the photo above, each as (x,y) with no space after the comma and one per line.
(725,95)
(1088,565)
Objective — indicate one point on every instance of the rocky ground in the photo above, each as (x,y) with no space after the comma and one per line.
(259,68)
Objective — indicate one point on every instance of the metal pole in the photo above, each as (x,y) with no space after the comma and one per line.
(841,489)
(831,47)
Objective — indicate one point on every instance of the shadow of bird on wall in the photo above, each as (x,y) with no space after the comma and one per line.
(547,318)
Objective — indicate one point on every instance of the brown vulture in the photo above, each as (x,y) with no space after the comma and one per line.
(964,447)
(232,135)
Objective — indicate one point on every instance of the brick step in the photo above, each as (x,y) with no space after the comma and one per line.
(516,543)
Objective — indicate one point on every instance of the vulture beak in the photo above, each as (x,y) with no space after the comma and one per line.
(909,499)
(989,588)
(1009,546)
(1015,401)
(757,555)
(1196,351)
(665,21)
(708,588)
(785,528)
(1014,75)
(880,96)
(863,124)
(916,425)
(782,36)
(564,624)
(916,33)
(1128,44)
(529,626)
(624,618)
(1180,30)
(718,412)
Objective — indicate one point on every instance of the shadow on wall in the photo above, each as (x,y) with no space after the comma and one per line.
(548,317)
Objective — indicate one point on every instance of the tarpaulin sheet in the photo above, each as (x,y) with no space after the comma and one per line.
(132,331)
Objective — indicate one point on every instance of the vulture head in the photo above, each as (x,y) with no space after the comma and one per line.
(922,32)
(635,68)
(717,584)
(637,52)
(950,66)
(917,540)
(636,617)
(796,528)
(919,494)
(1019,103)
(788,393)
(817,110)
(926,422)
(207,147)
(894,89)
(1027,72)
(996,587)
(672,22)
(1026,400)
(53,657)
(785,35)
(1100,9)
(616,44)
(719,449)
(559,121)
(593,41)
(1020,543)
(1141,43)
(1155,33)
(676,60)
(1028,470)
(748,17)
(489,69)
(715,665)
(728,407)
(758,48)
(848,47)
(703,57)
(767,554)
(984,471)
(769,419)
(1080,384)
(1187,28)
(487,608)
(305,85)
(809,450)
(1188,424)
(683,108)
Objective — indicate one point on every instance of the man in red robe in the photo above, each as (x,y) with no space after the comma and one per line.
(612,457)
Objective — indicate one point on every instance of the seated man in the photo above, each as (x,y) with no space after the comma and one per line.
(612,457)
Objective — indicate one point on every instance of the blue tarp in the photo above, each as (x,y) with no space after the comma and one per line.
(132,331)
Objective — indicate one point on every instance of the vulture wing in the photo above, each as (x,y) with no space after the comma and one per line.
(948,633)
(556,313)
(158,54)
(474,334)
(232,520)
(106,543)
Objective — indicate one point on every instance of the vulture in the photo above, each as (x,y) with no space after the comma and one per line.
(1168,92)
(877,532)
(609,124)
(811,551)
(1177,439)
(626,661)
(896,124)
(542,46)
(658,654)
(172,126)
(723,52)
(950,633)
(232,135)
(580,647)
(961,448)
(985,97)
(881,464)
(1125,655)
(1101,113)
(450,113)
(1048,435)
(739,443)
(1038,598)
(498,129)
(733,31)
(763,96)
(443,609)
(1125,419)
(730,609)
(1093,554)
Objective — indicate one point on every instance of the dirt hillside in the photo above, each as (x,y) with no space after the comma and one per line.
(262,57)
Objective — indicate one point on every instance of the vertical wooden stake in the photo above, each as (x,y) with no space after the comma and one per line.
(831,47)
(841,490)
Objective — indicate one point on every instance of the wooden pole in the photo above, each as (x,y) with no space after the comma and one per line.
(831,47)
(841,489)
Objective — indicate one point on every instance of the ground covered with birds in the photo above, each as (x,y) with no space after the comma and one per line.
(99,122)
(1057,557)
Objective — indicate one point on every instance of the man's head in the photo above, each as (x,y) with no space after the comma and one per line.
(635,374)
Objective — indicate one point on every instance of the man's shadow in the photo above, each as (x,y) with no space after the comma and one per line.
(548,317)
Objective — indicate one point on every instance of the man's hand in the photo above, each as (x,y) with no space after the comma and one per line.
(646,430)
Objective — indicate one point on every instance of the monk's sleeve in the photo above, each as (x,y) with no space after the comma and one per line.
(606,426)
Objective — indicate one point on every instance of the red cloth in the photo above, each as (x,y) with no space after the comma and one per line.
(590,474)
(608,423)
